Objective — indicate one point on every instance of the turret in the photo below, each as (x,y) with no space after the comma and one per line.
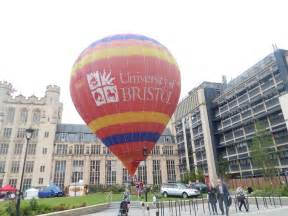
(52,94)
(5,90)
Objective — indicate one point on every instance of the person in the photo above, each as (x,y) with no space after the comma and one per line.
(249,190)
(212,197)
(154,201)
(223,196)
(124,207)
(240,196)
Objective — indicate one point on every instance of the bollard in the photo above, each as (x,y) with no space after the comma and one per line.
(190,206)
(273,199)
(179,209)
(175,209)
(203,203)
(185,205)
(270,200)
(256,201)
(157,212)
(280,201)
(148,210)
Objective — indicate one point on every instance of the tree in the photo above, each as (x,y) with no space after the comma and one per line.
(189,176)
(262,151)
(222,167)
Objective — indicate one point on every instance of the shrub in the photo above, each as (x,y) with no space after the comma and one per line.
(33,203)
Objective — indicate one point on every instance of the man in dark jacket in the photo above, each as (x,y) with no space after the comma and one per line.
(223,196)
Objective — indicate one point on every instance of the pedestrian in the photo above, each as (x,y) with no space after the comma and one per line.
(223,197)
(240,196)
(212,197)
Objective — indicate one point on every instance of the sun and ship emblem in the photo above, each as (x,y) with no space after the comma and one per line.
(102,87)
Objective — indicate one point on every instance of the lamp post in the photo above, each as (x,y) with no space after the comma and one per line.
(145,154)
(29,133)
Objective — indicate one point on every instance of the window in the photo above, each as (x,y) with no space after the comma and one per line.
(142,174)
(21,133)
(13,182)
(15,166)
(61,149)
(125,176)
(29,166)
(95,149)
(59,174)
(23,115)
(4,149)
(79,149)
(157,179)
(36,116)
(46,134)
(31,149)
(168,150)
(171,173)
(42,168)
(2,166)
(18,149)
(110,172)
(35,133)
(77,170)
(11,114)
(44,151)
(156,150)
(27,183)
(1,183)
(94,172)
(7,132)
(40,181)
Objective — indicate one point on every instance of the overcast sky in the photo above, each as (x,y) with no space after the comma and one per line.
(40,40)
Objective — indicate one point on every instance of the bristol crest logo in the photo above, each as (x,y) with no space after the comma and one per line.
(102,87)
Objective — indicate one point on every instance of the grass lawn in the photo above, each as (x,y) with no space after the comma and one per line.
(74,202)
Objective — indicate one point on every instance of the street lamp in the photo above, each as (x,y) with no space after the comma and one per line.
(29,133)
(145,154)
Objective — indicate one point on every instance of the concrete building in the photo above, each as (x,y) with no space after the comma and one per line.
(193,128)
(65,153)
(228,117)
(249,98)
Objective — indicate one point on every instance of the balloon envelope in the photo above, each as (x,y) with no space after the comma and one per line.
(126,87)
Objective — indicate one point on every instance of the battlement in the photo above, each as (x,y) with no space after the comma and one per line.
(6,85)
(53,88)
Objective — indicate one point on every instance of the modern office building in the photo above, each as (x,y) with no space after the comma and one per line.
(253,97)
(193,128)
(65,153)
(229,113)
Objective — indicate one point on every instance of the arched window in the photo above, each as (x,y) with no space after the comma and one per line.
(23,115)
(36,116)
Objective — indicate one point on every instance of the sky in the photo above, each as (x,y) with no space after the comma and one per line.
(40,40)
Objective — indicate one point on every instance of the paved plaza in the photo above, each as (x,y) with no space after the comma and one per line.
(185,211)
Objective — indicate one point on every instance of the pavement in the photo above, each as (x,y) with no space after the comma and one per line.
(202,210)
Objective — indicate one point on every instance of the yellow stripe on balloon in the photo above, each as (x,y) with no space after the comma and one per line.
(99,54)
(128,117)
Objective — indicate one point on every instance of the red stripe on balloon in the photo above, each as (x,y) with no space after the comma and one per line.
(131,154)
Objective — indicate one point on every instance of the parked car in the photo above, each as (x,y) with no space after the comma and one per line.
(199,186)
(46,193)
(50,191)
(178,189)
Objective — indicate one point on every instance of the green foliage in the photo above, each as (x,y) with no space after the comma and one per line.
(192,176)
(103,188)
(33,203)
(222,167)
(273,191)
(262,151)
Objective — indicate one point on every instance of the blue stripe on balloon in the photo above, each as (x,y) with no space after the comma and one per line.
(123,37)
(131,137)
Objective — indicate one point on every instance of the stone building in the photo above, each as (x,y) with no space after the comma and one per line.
(79,155)
(17,114)
(65,153)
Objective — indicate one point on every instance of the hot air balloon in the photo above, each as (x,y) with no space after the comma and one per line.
(126,87)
